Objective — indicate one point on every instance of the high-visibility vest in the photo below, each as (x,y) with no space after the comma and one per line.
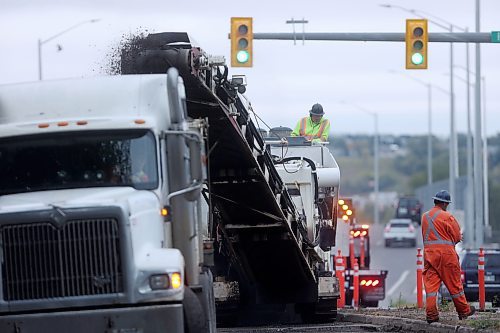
(303,129)
(430,227)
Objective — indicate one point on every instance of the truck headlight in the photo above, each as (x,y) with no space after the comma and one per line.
(159,281)
(165,281)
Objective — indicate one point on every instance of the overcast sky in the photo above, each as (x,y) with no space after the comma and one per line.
(286,79)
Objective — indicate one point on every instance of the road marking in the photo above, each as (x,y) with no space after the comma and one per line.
(398,282)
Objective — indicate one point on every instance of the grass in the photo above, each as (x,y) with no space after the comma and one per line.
(401,302)
(485,323)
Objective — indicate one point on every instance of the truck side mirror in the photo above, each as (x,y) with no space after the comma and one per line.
(196,173)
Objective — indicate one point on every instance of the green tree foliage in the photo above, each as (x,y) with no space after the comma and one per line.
(494,209)
(404,169)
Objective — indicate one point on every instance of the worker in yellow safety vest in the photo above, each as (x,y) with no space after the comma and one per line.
(314,128)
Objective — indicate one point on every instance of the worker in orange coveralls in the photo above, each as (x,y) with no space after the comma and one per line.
(440,233)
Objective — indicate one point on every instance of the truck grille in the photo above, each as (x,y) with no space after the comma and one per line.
(41,261)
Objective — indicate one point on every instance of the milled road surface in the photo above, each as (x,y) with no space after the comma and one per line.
(401,320)
(332,327)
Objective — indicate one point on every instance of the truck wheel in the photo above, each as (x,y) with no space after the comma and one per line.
(194,316)
(312,313)
(387,243)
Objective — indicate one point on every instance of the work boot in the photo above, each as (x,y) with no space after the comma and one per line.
(430,321)
(471,312)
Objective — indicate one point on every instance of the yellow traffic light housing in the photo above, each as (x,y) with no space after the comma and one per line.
(416,44)
(241,42)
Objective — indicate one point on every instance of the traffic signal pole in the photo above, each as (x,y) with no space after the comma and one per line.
(440,37)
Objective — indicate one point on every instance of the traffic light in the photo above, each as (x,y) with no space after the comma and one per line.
(241,41)
(416,44)
(346,210)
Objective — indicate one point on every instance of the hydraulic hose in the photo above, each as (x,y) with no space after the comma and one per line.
(313,168)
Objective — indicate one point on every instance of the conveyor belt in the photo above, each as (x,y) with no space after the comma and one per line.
(243,185)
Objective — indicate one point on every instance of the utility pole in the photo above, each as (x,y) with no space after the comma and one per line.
(292,22)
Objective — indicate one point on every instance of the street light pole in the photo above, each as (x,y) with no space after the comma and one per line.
(478,169)
(376,167)
(453,135)
(469,237)
(469,230)
(453,147)
(41,42)
(429,135)
(376,158)
(485,165)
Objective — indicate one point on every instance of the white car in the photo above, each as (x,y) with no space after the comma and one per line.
(400,231)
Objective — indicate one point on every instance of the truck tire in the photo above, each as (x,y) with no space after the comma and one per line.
(194,316)
(312,313)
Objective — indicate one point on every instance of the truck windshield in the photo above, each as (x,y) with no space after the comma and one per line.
(78,160)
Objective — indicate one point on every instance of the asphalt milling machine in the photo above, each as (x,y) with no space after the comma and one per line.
(269,230)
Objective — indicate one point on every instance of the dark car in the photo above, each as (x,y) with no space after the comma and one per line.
(468,263)
(410,208)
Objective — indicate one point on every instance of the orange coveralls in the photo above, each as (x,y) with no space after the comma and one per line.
(440,233)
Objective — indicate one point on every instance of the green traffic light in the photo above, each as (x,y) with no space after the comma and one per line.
(417,58)
(242,56)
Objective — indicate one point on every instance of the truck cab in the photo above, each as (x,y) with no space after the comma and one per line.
(95,176)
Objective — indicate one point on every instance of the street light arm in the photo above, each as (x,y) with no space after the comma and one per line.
(442,90)
(465,69)
(420,81)
(375,159)
(442,20)
(371,113)
(67,30)
(417,13)
(460,78)
(41,42)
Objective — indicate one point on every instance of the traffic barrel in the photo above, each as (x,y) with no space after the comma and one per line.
(351,251)
(420,267)
(362,252)
(355,297)
(480,276)
(340,272)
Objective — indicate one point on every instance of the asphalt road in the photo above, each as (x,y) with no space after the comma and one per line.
(401,264)
(332,327)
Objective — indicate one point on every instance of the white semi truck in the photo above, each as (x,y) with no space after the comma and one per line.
(101,217)
(100,187)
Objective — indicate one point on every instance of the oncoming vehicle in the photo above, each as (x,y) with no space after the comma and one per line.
(409,207)
(400,231)
(469,276)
